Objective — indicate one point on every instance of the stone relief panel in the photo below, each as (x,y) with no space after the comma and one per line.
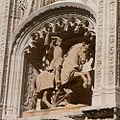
(99,44)
(30,76)
(3,42)
(61,56)
(118,49)
(112,43)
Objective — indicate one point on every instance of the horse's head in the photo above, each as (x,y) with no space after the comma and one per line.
(83,53)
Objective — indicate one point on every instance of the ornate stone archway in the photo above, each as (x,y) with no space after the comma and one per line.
(22,43)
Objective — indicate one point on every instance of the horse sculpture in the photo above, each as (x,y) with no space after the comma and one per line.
(71,68)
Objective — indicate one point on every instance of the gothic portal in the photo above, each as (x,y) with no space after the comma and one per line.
(59,59)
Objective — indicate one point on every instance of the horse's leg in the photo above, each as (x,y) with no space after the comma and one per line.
(39,99)
(85,80)
(44,99)
(62,99)
(65,100)
(38,105)
(55,97)
(57,77)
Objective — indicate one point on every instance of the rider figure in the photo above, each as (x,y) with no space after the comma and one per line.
(57,60)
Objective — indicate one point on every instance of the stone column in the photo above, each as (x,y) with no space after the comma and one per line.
(4,27)
(106,48)
(15,86)
(106,93)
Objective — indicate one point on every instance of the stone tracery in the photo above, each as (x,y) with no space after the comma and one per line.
(62,27)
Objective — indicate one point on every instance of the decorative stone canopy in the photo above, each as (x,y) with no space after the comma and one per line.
(56,8)
(68,28)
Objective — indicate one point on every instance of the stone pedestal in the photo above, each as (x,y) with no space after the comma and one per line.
(70,112)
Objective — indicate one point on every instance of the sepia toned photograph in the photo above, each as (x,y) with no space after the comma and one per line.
(59,60)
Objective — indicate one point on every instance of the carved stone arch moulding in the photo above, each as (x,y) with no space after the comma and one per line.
(33,40)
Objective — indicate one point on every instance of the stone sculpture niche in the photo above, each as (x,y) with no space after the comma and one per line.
(60,61)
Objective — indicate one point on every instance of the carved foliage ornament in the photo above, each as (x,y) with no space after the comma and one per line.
(23,4)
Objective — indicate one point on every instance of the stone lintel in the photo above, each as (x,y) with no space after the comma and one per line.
(70,111)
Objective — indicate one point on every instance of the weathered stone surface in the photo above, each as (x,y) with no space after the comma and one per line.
(19,19)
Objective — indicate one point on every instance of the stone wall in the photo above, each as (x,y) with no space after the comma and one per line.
(14,15)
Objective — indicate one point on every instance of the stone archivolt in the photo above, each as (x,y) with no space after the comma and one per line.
(30,42)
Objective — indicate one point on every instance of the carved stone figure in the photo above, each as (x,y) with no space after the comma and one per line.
(71,68)
(56,63)
(65,68)
(71,64)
